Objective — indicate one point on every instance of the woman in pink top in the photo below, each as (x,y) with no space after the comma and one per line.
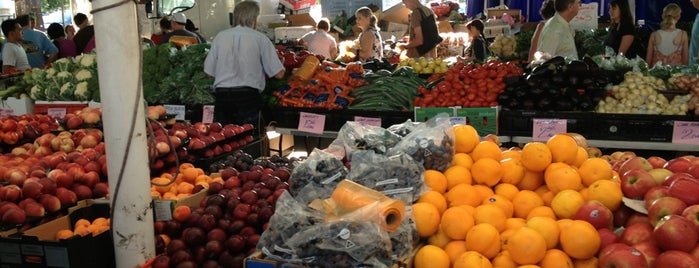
(669,45)
(66,47)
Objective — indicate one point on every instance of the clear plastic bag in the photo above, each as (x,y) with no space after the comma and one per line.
(430,144)
(403,129)
(398,176)
(354,136)
(316,177)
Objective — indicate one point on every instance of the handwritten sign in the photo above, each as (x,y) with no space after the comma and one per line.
(368,121)
(177,110)
(208,114)
(57,112)
(543,129)
(312,123)
(457,120)
(5,112)
(586,18)
(686,132)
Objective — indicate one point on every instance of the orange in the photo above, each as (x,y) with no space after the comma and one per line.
(468,208)
(564,223)
(506,235)
(189,174)
(580,157)
(615,177)
(98,229)
(64,234)
(531,180)
(436,180)
(585,192)
(426,218)
(503,260)
(436,199)
(594,169)
(547,228)
(524,202)
(547,197)
(586,263)
(529,266)
(463,194)
(514,152)
(484,239)
(181,213)
(490,214)
(515,223)
(166,239)
(560,176)
(100,221)
(536,156)
(541,211)
(487,171)
(566,203)
(513,170)
(457,175)
(486,149)
(202,178)
(439,239)
(162,185)
(184,166)
(563,148)
(502,202)
(454,249)
(541,190)
(580,240)
(81,222)
(483,191)
(555,258)
(430,256)
(526,246)
(462,159)
(82,230)
(456,222)
(607,192)
(169,196)
(185,188)
(465,138)
(472,259)
(506,189)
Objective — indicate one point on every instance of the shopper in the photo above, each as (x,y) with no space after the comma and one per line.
(70,31)
(319,42)
(85,37)
(370,43)
(66,47)
(38,47)
(622,30)
(547,11)
(182,36)
(669,45)
(557,38)
(165,27)
(13,56)
(694,44)
(189,26)
(240,60)
(422,31)
(478,45)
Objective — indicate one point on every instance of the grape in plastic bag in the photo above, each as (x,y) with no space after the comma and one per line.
(403,129)
(430,144)
(398,176)
(354,136)
(316,177)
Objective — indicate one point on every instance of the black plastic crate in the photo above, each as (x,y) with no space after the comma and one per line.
(635,127)
(520,123)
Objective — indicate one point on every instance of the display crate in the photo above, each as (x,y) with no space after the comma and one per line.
(42,107)
(297,4)
(334,119)
(37,247)
(635,127)
(520,123)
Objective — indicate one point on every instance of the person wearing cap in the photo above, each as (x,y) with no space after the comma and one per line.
(189,26)
(85,37)
(178,22)
(38,47)
(13,57)
(240,60)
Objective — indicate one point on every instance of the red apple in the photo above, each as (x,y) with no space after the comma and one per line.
(664,206)
(608,237)
(32,189)
(51,203)
(679,164)
(637,233)
(593,152)
(676,176)
(655,193)
(636,162)
(649,250)
(675,232)
(621,255)
(692,213)
(636,182)
(686,190)
(11,193)
(676,259)
(596,214)
(657,161)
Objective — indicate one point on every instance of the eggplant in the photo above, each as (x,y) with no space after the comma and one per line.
(541,70)
(528,104)
(577,67)
(563,104)
(557,60)
(558,79)
(573,81)
(521,93)
(537,90)
(512,80)
(544,104)
(591,64)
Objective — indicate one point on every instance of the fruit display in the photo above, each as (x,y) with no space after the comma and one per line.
(688,83)
(467,85)
(425,66)
(642,94)
(504,46)
(26,127)
(387,91)
(83,227)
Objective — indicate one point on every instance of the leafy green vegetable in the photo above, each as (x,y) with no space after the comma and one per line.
(186,82)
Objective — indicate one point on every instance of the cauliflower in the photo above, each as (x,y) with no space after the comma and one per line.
(50,73)
(66,91)
(83,75)
(82,92)
(64,74)
(38,74)
(63,65)
(37,93)
(88,60)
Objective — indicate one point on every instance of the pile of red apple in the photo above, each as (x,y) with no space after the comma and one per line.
(194,141)
(667,235)
(86,117)
(51,174)
(25,127)
(226,226)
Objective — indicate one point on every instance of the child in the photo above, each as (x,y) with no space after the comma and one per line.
(478,48)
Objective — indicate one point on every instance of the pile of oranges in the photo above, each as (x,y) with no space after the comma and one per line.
(168,187)
(513,207)
(83,227)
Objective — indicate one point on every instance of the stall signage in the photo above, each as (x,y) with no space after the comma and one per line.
(686,132)
(586,19)
(163,210)
(424,114)
(543,129)
(312,123)
(208,114)
(177,110)
(368,121)
(483,119)
(6,112)
(57,112)
(457,120)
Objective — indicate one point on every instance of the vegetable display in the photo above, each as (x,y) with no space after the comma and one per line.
(639,94)
(187,83)
(388,91)
(69,79)
(156,66)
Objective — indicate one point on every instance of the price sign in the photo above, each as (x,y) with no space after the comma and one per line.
(162,210)
(57,112)
(177,110)
(208,114)
(459,120)
(5,112)
(368,121)
(686,132)
(543,129)
(312,123)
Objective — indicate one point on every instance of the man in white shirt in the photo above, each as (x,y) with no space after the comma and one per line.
(557,38)
(319,42)
(13,56)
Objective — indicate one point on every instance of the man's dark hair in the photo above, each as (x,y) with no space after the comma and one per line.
(55,30)
(562,5)
(189,26)
(165,23)
(8,26)
(79,18)
(23,20)
(547,10)
(323,25)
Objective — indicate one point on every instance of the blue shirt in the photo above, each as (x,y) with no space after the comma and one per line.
(694,43)
(37,45)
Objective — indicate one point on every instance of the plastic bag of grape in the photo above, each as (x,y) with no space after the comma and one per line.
(354,136)
(398,176)
(430,144)
(316,177)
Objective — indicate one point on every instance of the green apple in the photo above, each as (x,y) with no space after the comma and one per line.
(659,175)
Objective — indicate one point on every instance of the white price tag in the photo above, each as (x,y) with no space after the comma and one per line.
(208,114)
(162,210)
(177,110)
(457,120)
(57,112)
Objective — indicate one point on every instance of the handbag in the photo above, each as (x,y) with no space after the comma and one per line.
(430,34)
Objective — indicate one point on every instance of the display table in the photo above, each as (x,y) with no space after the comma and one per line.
(644,145)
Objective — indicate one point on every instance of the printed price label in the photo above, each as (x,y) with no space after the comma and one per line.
(208,114)
(162,210)
(5,112)
(312,123)
(177,110)
(543,129)
(57,112)
(686,132)
(368,121)
(458,120)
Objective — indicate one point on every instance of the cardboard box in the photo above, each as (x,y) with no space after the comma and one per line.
(162,209)
(37,247)
(278,145)
(297,4)
(301,20)
(291,33)
(397,13)
(444,26)
(15,106)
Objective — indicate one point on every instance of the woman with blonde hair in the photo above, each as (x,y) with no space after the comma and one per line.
(370,44)
(669,44)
